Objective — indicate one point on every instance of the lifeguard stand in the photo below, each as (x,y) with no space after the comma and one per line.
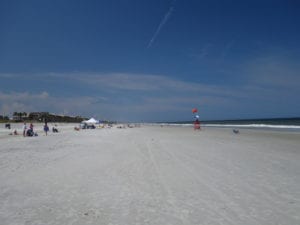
(197,125)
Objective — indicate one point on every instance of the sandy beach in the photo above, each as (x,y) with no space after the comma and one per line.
(150,175)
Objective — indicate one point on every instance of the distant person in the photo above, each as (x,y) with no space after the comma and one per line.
(24,129)
(46,129)
(31,127)
(14,133)
(54,130)
(197,125)
(29,133)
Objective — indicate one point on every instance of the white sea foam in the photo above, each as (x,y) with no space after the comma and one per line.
(254,126)
(262,126)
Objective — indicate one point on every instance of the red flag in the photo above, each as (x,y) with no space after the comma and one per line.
(194,110)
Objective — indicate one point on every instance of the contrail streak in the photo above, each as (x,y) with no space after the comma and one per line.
(162,23)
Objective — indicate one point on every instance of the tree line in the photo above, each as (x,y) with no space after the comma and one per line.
(4,118)
(41,117)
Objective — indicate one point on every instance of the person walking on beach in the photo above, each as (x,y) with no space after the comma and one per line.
(24,129)
(46,128)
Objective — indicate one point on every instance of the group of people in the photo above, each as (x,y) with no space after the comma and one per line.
(29,131)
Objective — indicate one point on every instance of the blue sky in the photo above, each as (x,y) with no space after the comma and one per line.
(151,60)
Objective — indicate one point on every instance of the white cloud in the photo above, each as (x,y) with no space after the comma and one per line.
(121,94)
(132,95)
(147,83)
(21,101)
(22,96)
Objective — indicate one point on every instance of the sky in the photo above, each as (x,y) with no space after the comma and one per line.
(151,60)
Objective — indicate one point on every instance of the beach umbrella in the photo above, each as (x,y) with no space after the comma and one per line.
(194,110)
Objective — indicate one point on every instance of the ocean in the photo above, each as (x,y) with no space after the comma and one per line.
(291,124)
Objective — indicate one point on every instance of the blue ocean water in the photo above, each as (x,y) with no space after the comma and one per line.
(271,123)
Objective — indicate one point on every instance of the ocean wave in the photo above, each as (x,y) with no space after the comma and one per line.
(254,126)
(266,126)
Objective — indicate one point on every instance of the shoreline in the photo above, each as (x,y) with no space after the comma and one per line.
(38,127)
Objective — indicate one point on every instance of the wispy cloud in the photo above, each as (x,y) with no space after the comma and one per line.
(21,101)
(145,83)
(118,96)
(21,96)
(201,54)
(274,70)
(29,102)
(266,82)
(162,23)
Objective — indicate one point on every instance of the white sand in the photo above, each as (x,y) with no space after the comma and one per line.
(150,175)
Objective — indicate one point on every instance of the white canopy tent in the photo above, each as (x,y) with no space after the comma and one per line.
(90,121)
